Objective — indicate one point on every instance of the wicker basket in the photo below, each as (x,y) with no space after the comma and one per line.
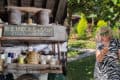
(32,58)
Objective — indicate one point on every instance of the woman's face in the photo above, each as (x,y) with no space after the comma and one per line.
(105,38)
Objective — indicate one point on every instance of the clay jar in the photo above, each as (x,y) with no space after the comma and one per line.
(43,17)
(14,16)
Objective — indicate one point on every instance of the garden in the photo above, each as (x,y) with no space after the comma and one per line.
(85,18)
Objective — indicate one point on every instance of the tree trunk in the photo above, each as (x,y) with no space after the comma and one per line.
(69,20)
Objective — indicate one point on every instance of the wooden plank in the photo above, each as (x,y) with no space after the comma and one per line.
(26,3)
(54,67)
(64,16)
(27,66)
(60,11)
(2,2)
(59,53)
(56,71)
(36,68)
(28,31)
(33,39)
(53,5)
(59,35)
(34,72)
(12,2)
(28,9)
(38,3)
(31,66)
(50,4)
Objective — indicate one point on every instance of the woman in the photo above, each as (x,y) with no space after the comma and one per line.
(107,54)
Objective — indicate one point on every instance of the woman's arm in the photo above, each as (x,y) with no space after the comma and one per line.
(118,48)
(119,53)
(100,54)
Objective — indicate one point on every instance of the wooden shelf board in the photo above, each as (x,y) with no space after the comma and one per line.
(29,39)
(36,68)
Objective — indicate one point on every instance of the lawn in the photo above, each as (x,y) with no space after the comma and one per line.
(73,53)
(81,69)
(81,44)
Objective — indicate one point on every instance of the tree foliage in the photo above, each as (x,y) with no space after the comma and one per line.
(108,10)
(101,23)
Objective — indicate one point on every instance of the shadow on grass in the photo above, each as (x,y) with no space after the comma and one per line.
(81,69)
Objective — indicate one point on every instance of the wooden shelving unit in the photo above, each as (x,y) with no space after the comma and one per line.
(16,68)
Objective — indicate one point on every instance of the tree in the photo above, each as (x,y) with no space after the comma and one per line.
(82,27)
(72,6)
(108,10)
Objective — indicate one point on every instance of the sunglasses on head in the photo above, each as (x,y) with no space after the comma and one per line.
(104,33)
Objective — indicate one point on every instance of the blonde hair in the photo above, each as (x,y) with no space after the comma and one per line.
(103,30)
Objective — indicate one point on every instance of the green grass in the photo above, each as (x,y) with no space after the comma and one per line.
(79,44)
(81,69)
(82,44)
(73,53)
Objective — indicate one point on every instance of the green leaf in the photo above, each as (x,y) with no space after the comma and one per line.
(111,10)
(92,15)
(78,1)
(115,1)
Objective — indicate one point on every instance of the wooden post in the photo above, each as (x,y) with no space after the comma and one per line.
(53,48)
(60,11)
(59,53)
(38,3)
(52,5)
(1,28)
(2,3)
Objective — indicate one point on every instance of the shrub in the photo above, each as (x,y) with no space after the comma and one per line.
(116,32)
(82,27)
(101,23)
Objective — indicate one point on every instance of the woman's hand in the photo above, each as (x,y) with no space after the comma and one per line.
(104,50)
(101,53)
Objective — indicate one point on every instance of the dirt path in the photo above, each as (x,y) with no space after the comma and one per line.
(87,52)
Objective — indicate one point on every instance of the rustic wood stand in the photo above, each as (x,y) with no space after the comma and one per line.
(58,14)
(58,35)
